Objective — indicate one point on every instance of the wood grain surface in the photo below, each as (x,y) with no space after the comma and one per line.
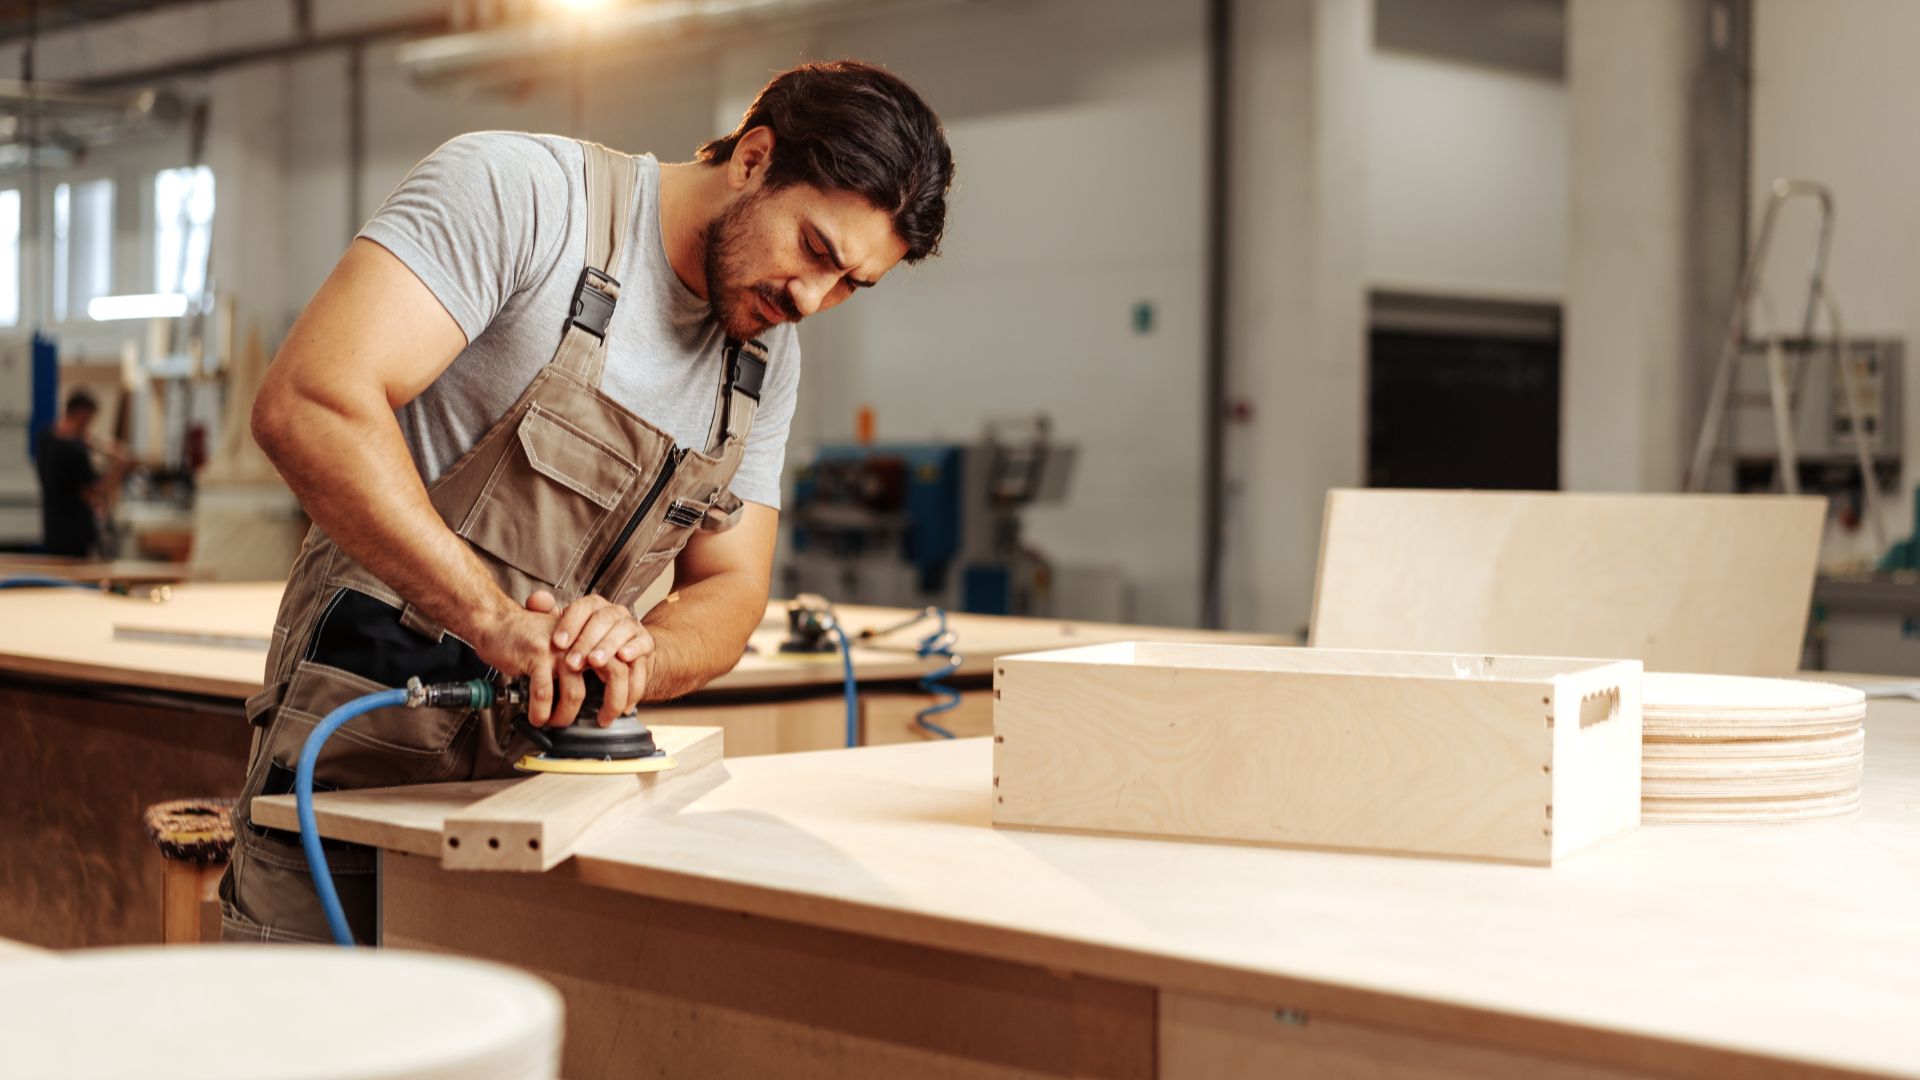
(76,774)
(1663,951)
(662,989)
(1474,757)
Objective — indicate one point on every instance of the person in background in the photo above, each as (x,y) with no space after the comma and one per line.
(71,488)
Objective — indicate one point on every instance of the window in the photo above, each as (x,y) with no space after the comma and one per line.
(9,258)
(82,246)
(182,229)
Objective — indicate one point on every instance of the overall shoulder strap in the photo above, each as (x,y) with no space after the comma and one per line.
(610,180)
(743,369)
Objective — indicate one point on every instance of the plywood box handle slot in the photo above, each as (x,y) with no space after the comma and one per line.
(1600,707)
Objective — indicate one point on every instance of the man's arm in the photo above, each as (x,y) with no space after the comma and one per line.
(370,341)
(721,580)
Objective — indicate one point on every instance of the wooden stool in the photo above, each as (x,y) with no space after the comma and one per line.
(195,838)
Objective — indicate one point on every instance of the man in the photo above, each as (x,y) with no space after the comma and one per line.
(542,375)
(70,486)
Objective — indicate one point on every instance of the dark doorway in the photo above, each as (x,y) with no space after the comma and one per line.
(1463,394)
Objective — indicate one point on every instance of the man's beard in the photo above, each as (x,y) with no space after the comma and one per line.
(726,243)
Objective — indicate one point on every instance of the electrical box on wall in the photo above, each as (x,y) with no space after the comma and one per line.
(1823,428)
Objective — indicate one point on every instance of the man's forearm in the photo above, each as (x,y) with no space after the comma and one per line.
(700,634)
(353,475)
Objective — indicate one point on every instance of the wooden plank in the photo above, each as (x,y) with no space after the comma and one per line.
(1696,583)
(711,993)
(414,819)
(1508,758)
(533,825)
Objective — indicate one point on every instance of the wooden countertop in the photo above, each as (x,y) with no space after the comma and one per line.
(1701,945)
(220,632)
(127,571)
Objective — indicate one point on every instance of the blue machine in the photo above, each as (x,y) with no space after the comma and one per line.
(897,502)
(924,524)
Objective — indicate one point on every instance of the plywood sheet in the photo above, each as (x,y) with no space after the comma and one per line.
(1681,582)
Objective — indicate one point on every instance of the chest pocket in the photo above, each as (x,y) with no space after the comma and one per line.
(552,494)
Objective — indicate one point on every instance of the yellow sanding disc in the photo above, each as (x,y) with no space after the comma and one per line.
(594,766)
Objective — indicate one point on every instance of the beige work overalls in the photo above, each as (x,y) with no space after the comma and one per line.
(569,492)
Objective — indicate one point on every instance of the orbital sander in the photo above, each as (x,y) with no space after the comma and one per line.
(625,746)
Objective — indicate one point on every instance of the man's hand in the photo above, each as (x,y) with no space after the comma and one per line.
(518,642)
(596,633)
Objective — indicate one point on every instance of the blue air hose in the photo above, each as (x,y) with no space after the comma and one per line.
(853,688)
(475,693)
(939,643)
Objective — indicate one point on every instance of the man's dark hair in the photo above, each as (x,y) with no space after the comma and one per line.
(849,126)
(79,400)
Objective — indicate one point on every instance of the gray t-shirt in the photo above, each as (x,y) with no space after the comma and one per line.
(493,224)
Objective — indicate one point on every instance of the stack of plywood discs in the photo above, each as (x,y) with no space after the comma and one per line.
(1722,748)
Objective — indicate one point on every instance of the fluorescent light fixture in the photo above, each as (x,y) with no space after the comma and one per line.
(579,5)
(137,306)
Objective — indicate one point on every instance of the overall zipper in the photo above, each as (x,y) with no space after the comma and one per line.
(660,482)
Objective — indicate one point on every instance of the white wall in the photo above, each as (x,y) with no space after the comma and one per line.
(1077,129)
(1833,89)
(1467,179)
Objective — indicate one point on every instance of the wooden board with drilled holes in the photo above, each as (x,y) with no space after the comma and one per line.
(532,826)
(1681,582)
(1515,759)
(456,822)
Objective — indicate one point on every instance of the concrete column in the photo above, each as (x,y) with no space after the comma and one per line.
(248,149)
(1655,227)
(1296,294)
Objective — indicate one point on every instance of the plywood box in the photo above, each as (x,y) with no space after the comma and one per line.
(1517,759)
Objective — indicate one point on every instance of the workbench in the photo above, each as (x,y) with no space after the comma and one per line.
(109,704)
(853,913)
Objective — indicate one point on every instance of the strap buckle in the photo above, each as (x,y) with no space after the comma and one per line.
(593,302)
(747,367)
